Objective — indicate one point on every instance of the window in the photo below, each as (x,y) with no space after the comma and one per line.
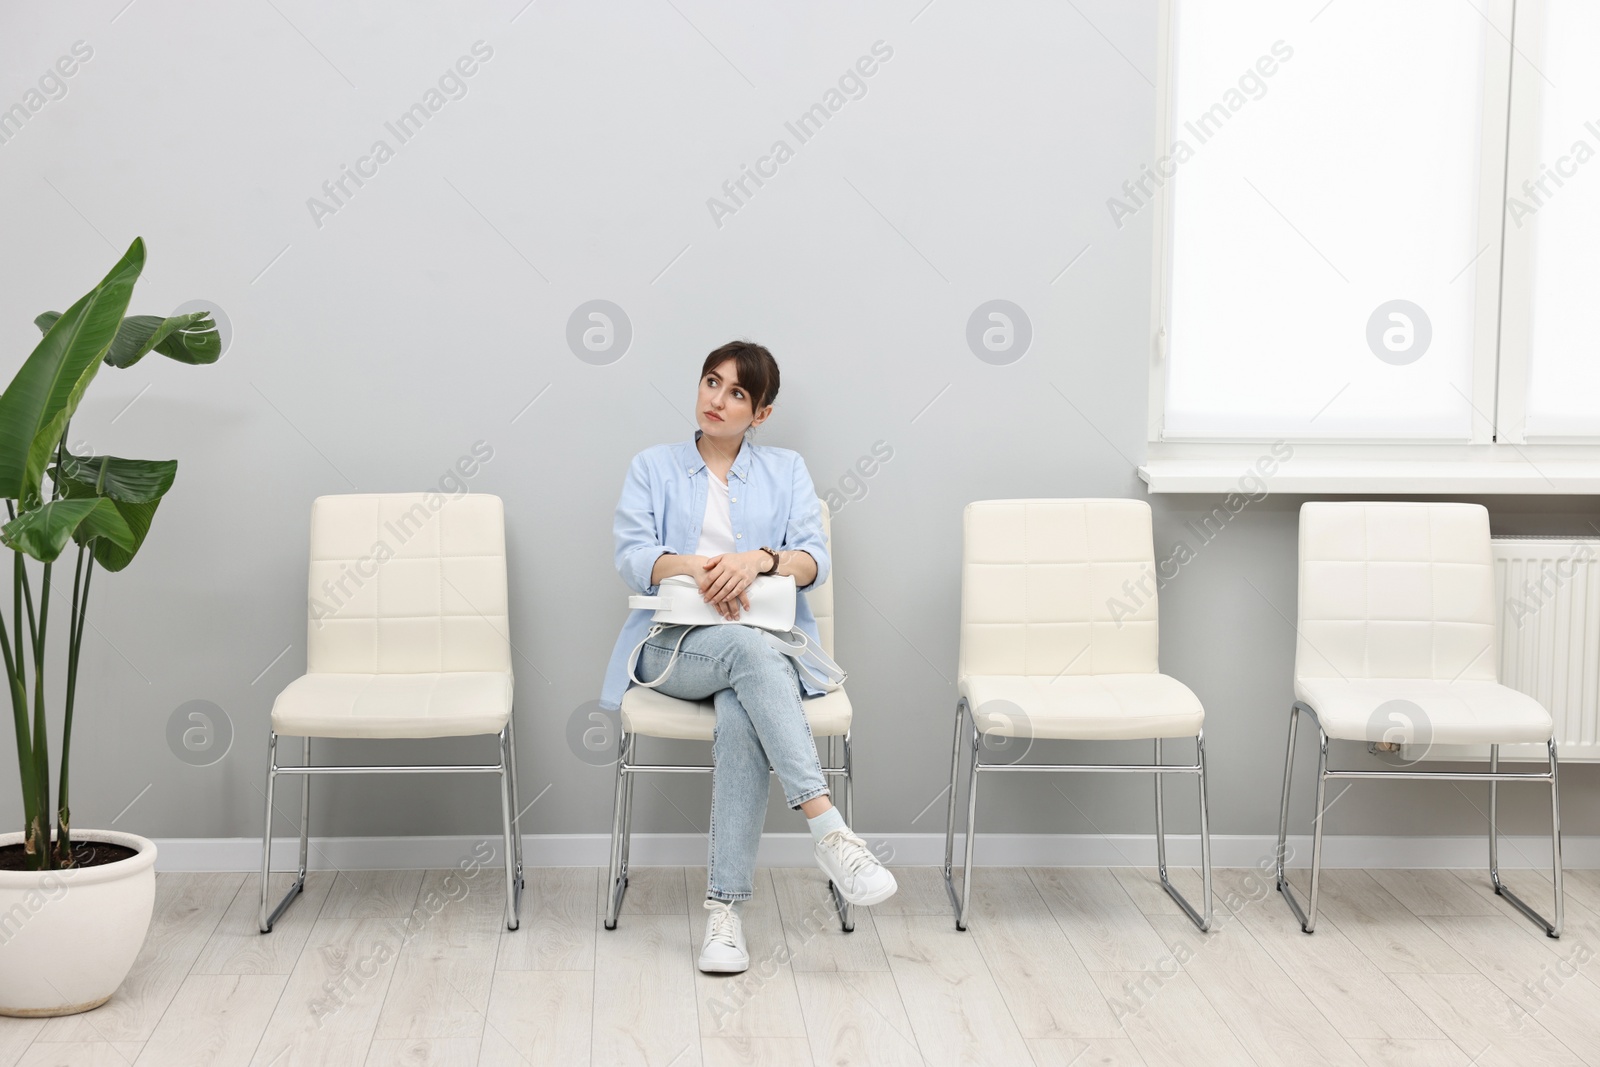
(1341,263)
(1550,358)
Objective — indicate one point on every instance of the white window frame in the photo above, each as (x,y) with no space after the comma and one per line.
(1486,463)
(1516,331)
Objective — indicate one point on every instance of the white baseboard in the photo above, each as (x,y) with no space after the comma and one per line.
(911,850)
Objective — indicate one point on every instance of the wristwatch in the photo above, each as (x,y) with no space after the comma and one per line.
(774,556)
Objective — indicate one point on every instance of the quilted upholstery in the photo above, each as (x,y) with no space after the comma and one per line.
(452,704)
(1396,603)
(1059,622)
(653,714)
(1041,584)
(1422,711)
(1100,706)
(407,619)
(407,583)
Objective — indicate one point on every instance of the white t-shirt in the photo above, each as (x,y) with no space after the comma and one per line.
(716,532)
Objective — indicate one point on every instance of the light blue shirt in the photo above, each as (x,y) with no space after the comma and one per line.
(771,501)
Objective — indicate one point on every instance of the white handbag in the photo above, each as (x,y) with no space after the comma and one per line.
(772,597)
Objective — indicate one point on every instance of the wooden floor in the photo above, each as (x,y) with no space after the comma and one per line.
(1061,966)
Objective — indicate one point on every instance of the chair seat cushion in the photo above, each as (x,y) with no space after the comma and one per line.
(653,714)
(1423,711)
(452,704)
(1083,706)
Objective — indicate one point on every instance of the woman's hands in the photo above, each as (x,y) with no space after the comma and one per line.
(724,579)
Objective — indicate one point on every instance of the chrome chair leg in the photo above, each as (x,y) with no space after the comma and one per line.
(972,825)
(266,920)
(305,809)
(849,779)
(627,811)
(1551,929)
(1316,831)
(959,902)
(1555,836)
(1161,835)
(1201,921)
(507,813)
(516,798)
(266,833)
(1494,832)
(1205,828)
(617,884)
(1281,853)
(847,921)
(1308,917)
(505,768)
(950,812)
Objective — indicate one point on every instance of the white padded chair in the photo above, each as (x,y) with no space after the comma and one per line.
(649,713)
(1058,641)
(406,637)
(1398,643)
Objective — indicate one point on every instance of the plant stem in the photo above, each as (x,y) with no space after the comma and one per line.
(38,798)
(77,650)
(18,583)
(25,593)
(63,847)
(16,682)
(17,675)
(83,608)
(41,737)
(74,640)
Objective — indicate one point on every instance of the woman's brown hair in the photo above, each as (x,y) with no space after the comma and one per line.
(757,370)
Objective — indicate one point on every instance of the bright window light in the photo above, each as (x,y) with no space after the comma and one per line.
(1325,182)
(1559,196)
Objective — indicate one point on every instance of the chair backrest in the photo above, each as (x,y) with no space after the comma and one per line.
(1396,589)
(820,599)
(1053,586)
(407,583)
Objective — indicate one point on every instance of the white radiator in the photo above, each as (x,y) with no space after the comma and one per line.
(1548,589)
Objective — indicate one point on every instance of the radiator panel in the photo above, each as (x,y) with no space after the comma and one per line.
(1549,595)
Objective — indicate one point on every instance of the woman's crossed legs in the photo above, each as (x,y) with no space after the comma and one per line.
(761,725)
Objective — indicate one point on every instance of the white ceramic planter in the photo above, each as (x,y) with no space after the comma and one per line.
(68,938)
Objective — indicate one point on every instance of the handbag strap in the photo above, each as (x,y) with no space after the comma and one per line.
(633,657)
(832,677)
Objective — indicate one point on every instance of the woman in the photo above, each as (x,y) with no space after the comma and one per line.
(702,507)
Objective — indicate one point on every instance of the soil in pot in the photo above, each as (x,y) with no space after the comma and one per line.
(84,854)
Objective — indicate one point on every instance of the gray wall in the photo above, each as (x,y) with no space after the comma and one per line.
(374,346)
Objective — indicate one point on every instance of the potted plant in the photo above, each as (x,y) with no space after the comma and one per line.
(74,904)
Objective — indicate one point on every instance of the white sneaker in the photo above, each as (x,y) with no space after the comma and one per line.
(854,870)
(723,951)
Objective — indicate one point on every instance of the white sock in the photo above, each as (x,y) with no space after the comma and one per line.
(825,824)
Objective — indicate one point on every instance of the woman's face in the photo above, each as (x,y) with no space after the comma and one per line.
(723,408)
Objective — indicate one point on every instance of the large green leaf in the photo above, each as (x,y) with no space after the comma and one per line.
(188,338)
(134,486)
(108,552)
(129,481)
(43,532)
(36,406)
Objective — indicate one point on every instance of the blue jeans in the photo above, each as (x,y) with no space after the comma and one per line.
(760,726)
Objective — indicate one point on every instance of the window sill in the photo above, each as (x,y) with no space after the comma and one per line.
(1516,473)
